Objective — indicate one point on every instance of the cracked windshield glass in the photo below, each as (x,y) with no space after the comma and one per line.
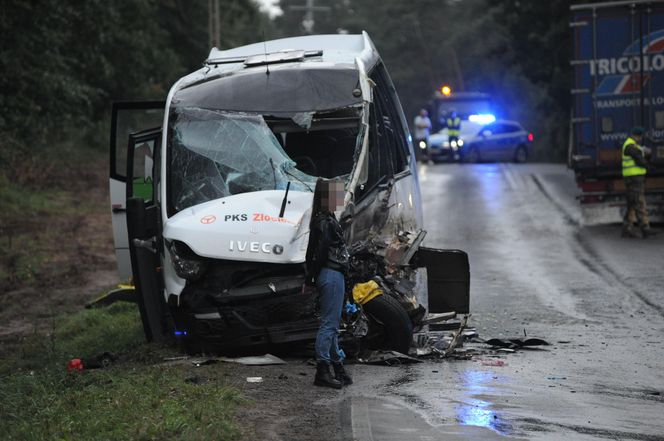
(214,154)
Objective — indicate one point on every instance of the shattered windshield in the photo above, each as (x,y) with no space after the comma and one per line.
(214,154)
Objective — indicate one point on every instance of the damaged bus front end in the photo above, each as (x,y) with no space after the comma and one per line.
(218,198)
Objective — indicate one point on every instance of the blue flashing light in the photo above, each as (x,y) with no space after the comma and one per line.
(180,333)
(482,118)
(410,138)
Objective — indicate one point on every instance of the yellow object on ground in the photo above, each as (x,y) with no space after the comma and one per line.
(364,292)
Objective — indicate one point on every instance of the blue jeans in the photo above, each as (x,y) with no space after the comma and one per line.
(330,285)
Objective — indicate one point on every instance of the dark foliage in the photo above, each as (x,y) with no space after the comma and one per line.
(64,62)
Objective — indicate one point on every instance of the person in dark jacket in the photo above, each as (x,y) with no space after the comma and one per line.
(327,262)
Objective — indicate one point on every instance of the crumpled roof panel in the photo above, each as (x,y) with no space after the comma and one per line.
(336,48)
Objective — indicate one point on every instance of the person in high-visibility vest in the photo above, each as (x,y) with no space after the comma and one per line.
(453,127)
(634,169)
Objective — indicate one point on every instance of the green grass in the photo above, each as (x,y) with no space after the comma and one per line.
(137,397)
(31,223)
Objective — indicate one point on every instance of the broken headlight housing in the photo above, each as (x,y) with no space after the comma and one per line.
(187,264)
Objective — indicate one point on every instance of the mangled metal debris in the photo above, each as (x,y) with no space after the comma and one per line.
(255,360)
(439,317)
(389,358)
(464,343)
(514,343)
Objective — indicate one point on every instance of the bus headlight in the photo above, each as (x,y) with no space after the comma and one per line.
(187,264)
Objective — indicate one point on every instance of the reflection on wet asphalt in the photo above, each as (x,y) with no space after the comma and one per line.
(535,268)
(479,412)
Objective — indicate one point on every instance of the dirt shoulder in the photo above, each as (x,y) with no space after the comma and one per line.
(286,405)
(57,248)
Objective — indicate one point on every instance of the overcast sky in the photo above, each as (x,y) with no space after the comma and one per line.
(270,6)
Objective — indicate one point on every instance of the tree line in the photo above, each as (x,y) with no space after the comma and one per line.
(63,62)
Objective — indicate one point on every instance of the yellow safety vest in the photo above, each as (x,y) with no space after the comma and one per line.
(453,126)
(629,167)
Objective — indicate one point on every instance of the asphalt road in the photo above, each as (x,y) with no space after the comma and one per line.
(597,298)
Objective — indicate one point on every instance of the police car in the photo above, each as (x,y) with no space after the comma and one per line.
(483,138)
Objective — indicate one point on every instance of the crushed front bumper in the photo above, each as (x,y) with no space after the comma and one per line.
(272,312)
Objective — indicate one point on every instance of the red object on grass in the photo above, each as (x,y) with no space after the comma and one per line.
(75,364)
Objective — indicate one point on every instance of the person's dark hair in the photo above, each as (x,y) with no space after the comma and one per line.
(317,207)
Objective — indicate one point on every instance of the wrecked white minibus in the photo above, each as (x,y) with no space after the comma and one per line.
(211,195)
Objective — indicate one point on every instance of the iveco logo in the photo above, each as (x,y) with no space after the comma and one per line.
(254,247)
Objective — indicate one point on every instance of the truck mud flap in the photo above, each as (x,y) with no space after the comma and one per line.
(448,279)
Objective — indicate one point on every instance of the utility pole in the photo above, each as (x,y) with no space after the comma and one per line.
(309,9)
(214,31)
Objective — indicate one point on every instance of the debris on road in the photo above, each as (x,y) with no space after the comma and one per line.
(459,342)
(388,358)
(513,343)
(254,360)
(203,361)
(100,361)
(258,360)
(181,358)
(75,365)
(254,379)
(492,362)
(438,317)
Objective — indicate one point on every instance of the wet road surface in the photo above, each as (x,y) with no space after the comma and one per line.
(597,298)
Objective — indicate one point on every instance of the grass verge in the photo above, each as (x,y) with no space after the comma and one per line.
(136,397)
(55,216)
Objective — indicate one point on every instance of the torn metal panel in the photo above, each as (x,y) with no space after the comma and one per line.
(439,317)
(303,119)
(402,246)
(360,172)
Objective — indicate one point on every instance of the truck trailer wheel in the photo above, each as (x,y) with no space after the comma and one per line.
(389,325)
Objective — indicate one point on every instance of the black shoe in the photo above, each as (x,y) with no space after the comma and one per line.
(341,375)
(324,377)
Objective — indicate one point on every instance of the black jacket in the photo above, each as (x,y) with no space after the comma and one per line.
(327,248)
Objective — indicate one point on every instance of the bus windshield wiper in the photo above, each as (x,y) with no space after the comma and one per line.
(283,203)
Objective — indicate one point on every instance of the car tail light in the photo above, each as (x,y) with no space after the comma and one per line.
(530,137)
